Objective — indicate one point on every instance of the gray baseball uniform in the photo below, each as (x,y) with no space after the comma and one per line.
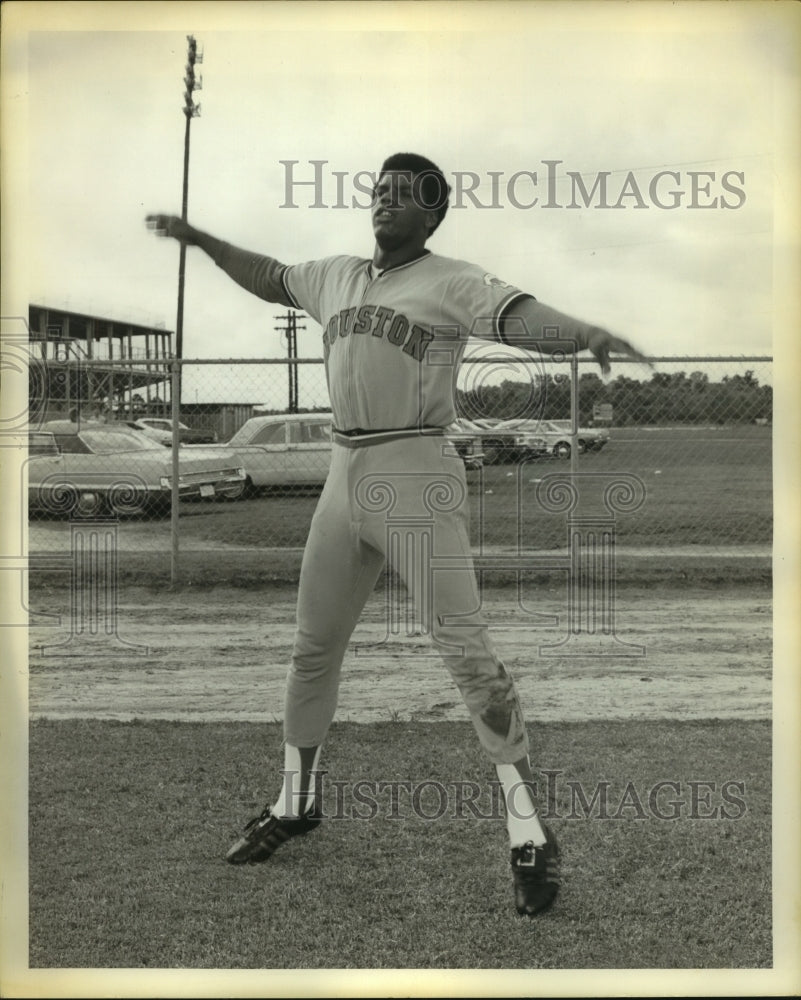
(396,490)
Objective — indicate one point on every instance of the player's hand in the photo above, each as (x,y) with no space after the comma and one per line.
(171,225)
(602,343)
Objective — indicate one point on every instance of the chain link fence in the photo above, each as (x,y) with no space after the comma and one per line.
(254,444)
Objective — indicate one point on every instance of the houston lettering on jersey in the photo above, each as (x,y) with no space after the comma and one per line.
(379,321)
(393,340)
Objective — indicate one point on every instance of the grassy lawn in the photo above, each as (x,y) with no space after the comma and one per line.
(129,824)
(702,487)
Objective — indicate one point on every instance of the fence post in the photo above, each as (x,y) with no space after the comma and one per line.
(574,413)
(175,402)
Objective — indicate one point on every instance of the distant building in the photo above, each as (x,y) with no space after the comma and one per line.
(86,365)
(92,367)
(224,419)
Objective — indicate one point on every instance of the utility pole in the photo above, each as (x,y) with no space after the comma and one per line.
(190,110)
(290,331)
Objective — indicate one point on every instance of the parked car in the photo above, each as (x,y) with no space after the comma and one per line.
(92,468)
(509,441)
(497,441)
(557,437)
(465,436)
(589,438)
(283,449)
(160,429)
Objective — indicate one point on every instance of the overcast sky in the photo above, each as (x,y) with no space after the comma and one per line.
(624,90)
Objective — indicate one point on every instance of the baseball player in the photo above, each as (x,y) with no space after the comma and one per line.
(394,330)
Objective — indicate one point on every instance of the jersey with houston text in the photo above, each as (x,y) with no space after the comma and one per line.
(393,340)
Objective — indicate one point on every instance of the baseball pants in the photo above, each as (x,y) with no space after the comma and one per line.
(402,501)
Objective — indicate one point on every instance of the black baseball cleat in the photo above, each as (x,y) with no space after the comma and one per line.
(536,875)
(264,834)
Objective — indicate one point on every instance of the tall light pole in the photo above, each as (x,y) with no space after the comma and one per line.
(190,110)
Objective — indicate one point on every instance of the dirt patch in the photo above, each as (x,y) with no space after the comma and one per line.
(222,654)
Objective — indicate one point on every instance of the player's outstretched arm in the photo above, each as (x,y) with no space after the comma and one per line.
(534,326)
(255,272)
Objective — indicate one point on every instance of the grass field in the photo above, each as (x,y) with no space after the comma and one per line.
(702,486)
(129,824)
(707,494)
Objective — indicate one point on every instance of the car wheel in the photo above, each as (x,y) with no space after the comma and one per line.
(156,505)
(134,500)
(66,500)
(496,452)
(88,503)
(238,491)
(562,449)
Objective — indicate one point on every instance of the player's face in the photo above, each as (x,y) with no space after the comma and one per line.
(398,217)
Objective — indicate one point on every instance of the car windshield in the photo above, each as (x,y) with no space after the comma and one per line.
(112,442)
(271,433)
(42,444)
(309,433)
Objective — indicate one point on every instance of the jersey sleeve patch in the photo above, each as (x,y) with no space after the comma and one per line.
(493,282)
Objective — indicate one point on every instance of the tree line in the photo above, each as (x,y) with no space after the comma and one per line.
(667,398)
